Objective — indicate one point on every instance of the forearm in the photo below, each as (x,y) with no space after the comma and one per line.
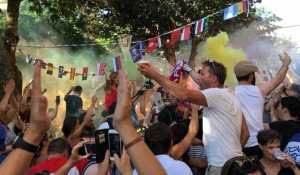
(194,76)
(68,93)
(88,114)
(4,102)
(273,114)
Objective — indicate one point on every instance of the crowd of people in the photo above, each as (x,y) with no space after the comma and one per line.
(243,130)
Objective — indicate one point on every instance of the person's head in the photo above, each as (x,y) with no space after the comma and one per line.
(213,74)
(78,90)
(58,146)
(294,90)
(242,165)
(245,72)
(114,78)
(179,131)
(288,107)
(70,124)
(165,116)
(268,141)
(158,138)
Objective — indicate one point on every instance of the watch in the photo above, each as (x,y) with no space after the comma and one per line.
(188,69)
(22,144)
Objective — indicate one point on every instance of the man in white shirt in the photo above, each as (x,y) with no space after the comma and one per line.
(251,98)
(159,140)
(224,129)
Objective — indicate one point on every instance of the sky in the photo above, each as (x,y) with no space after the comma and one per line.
(289,11)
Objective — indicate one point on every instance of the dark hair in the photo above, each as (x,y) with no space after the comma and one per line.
(217,69)
(242,165)
(78,89)
(58,145)
(292,104)
(243,78)
(165,116)
(179,131)
(111,81)
(69,125)
(268,136)
(158,138)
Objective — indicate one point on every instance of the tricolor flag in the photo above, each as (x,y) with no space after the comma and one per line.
(72,73)
(99,69)
(185,35)
(158,42)
(50,68)
(242,7)
(135,53)
(231,12)
(175,36)
(201,25)
(151,45)
(85,73)
(60,71)
(117,63)
(142,47)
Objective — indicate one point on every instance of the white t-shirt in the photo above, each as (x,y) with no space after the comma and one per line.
(252,104)
(222,122)
(171,166)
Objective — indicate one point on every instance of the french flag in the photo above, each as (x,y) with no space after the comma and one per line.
(117,63)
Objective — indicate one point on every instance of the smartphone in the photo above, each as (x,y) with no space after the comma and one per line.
(101,144)
(115,143)
(90,145)
(57,99)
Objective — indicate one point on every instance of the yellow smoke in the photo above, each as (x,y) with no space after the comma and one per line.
(216,48)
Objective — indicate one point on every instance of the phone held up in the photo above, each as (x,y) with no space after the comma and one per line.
(107,139)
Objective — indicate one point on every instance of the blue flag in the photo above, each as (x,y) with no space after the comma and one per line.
(231,12)
(135,53)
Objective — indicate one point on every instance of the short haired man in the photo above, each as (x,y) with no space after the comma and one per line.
(57,157)
(251,98)
(74,102)
(224,129)
(288,108)
(159,140)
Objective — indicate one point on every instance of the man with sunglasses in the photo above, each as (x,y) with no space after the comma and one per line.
(251,97)
(224,129)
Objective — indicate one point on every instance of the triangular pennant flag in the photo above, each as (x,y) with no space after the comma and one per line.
(99,69)
(158,42)
(151,45)
(242,7)
(117,63)
(85,73)
(231,12)
(175,36)
(60,71)
(50,68)
(135,53)
(72,73)
(185,35)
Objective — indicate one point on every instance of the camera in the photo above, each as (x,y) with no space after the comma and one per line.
(107,139)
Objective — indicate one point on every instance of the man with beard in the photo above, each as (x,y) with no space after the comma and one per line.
(251,97)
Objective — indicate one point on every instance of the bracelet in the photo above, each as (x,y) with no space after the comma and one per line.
(133,142)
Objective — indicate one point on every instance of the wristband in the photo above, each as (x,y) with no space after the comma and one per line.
(22,144)
(133,142)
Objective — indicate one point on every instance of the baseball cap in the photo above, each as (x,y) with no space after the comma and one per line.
(244,67)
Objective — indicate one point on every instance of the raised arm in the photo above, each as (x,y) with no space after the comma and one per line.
(69,92)
(192,73)
(174,89)
(146,164)
(180,148)
(269,86)
(39,124)
(8,89)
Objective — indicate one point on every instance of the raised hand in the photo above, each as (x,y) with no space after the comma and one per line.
(75,157)
(94,100)
(147,70)
(9,86)
(122,113)
(40,121)
(123,163)
(285,58)
(104,166)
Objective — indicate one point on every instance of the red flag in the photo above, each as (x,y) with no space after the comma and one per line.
(72,73)
(175,36)
(185,35)
(151,45)
(85,73)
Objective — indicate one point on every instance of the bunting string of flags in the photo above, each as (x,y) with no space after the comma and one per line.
(176,35)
